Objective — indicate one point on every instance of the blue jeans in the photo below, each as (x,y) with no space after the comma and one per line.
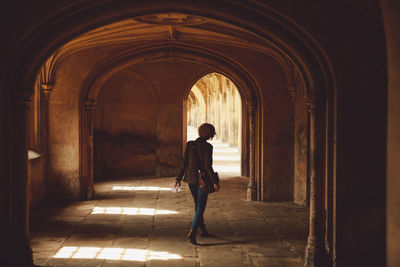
(200,202)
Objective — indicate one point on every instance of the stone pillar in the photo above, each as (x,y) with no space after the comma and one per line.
(238,115)
(220,110)
(215,108)
(252,187)
(46,90)
(229,117)
(315,254)
(233,120)
(20,252)
(226,116)
(300,145)
(89,110)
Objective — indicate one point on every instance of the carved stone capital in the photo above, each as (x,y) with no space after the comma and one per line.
(46,89)
(315,101)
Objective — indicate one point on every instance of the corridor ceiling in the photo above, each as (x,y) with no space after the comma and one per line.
(169,29)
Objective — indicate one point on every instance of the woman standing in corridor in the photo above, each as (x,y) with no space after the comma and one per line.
(197,171)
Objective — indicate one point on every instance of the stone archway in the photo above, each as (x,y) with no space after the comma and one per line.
(247,87)
(313,66)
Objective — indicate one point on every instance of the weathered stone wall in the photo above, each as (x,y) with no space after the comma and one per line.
(352,38)
(37,187)
(37,180)
(63,176)
(125,134)
(277,120)
(139,120)
(277,126)
(278,138)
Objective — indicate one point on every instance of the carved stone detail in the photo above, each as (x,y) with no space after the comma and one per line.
(292,92)
(172,19)
(46,89)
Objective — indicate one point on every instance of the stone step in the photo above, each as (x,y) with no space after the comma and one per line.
(235,158)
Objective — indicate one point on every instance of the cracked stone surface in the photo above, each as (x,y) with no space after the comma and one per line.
(145,225)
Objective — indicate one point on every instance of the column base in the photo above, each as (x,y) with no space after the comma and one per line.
(315,257)
(251,193)
(90,195)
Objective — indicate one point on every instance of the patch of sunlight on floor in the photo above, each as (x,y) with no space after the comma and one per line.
(222,168)
(130,211)
(125,254)
(140,188)
(86,253)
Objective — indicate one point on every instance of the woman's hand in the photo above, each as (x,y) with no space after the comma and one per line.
(216,187)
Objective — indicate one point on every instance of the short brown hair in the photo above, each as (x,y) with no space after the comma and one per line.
(207,131)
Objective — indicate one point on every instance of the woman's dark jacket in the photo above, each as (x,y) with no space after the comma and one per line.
(198,157)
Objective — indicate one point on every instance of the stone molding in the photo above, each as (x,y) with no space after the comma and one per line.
(315,100)
(46,89)
(172,18)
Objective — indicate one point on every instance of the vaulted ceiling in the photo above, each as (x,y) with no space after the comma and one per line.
(168,29)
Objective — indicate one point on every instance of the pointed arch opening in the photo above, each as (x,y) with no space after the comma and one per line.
(254,140)
(215,99)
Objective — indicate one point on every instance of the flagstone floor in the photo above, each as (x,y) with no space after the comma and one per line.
(140,222)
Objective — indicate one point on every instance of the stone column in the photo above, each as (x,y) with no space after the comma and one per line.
(315,255)
(225,114)
(46,90)
(89,110)
(233,117)
(220,110)
(252,186)
(229,116)
(238,133)
(21,253)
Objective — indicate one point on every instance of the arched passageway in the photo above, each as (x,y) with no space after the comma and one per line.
(128,103)
(129,99)
(286,81)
